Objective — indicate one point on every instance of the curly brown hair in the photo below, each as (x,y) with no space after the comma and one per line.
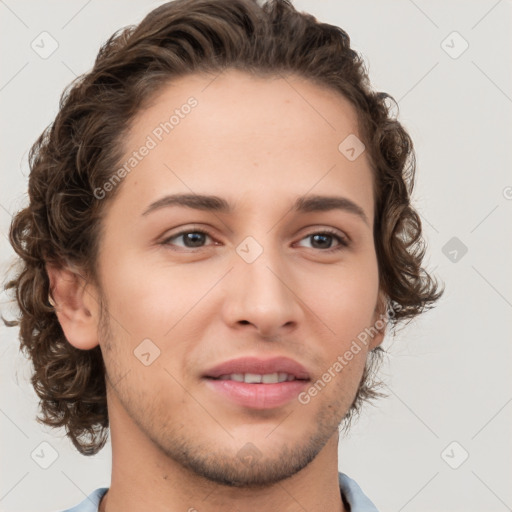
(77,153)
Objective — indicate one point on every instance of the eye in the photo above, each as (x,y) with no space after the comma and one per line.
(192,238)
(324,239)
(195,238)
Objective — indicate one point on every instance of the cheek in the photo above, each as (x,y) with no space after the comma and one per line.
(348,300)
(145,299)
(149,299)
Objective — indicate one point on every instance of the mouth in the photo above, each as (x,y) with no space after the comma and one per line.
(258,378)
(258,383)
(257,370)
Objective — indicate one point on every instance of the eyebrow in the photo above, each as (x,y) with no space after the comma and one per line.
(304,204)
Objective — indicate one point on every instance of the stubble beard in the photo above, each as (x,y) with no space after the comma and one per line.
(216,465)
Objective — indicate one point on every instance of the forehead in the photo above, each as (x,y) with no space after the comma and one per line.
(232,94)
(238,134)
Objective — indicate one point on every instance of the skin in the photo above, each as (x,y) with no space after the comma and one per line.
(259,143)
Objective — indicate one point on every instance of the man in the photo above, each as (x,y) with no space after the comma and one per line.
(220,218)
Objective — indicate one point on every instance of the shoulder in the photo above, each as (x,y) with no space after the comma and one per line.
(89,504)
(354,495)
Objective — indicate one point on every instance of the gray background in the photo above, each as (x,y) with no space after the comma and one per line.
(448,373)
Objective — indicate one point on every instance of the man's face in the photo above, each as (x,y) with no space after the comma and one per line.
(258,286)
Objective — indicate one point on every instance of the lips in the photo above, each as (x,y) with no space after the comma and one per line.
(257,366)
(254,383)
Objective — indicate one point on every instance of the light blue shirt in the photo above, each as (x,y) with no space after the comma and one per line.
(355,498)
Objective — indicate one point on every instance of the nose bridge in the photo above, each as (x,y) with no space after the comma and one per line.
(260,290)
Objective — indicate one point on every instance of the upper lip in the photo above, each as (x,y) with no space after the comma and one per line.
(259,366)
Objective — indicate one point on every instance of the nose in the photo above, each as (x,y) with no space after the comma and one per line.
(262,296)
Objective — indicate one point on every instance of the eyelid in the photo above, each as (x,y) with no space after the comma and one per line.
(343,240)
(191,229)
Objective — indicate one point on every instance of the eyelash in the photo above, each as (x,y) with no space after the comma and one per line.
(343,242)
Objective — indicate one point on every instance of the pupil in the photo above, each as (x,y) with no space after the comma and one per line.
(315,237)
(195,238)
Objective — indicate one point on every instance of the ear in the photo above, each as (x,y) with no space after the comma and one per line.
(380,320)
(75,305)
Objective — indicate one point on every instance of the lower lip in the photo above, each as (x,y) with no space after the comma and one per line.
(258,396)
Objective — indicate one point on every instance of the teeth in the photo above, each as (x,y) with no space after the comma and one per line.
(270,378)
(256,378)
(252,378)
